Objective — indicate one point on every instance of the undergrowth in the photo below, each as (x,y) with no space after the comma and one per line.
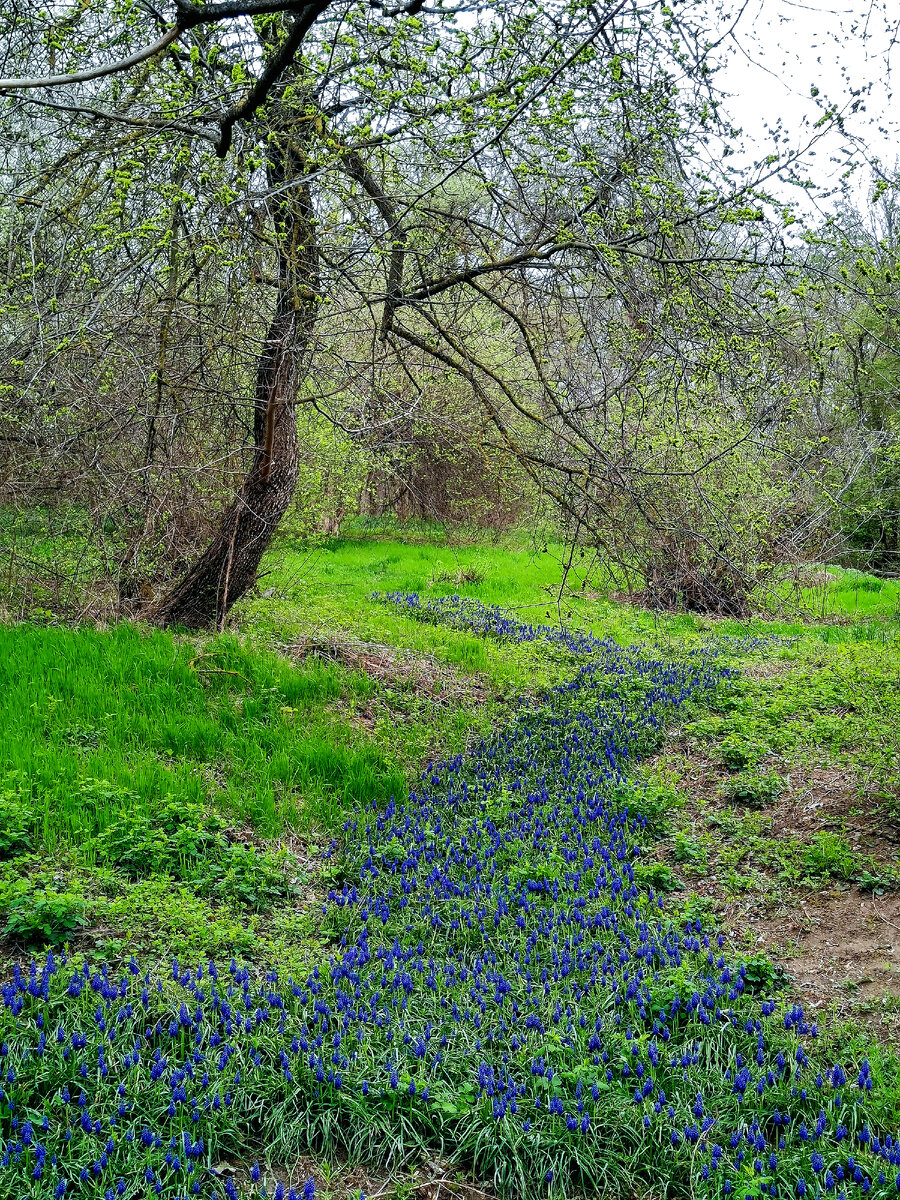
(503,988)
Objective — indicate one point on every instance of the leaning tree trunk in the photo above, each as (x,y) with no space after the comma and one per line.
(228,567)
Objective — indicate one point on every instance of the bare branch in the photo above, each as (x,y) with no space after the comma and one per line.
(102,114)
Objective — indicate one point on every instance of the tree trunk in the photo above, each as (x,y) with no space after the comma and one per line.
(228,567)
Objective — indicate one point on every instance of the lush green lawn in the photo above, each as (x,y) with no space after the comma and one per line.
(271,734)
(97,721)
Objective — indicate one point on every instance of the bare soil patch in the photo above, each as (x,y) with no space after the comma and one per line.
(394,666)
(814,799)
(839,945)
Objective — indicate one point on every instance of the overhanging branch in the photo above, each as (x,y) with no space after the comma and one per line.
(42,81)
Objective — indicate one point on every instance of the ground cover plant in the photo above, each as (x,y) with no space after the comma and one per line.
(781,815)
(505,983)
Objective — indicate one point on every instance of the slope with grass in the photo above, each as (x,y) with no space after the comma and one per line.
(495,974)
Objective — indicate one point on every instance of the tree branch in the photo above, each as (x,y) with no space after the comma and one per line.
(270,76)
(357,170)
(189,16)
(139,56)
(102,114)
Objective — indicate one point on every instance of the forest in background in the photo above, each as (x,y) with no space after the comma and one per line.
(486,268)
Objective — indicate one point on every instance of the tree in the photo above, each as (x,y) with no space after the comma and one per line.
(863,331)
(423,198)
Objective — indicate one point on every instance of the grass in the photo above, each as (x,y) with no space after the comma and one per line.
(98,722)
(149,784)
(171,795)
(852,594)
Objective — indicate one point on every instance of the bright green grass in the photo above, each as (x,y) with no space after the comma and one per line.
(330,585)
(93,722)
(858,595)
(330,589)
(847,595)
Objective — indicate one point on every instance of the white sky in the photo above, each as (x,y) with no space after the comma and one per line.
(781,48)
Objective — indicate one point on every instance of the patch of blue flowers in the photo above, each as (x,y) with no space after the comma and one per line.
(500,990)
(474,616)
(462,612)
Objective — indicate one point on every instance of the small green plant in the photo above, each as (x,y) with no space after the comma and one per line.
(83,736)
(650,804)
(752,788)
(244,876)
(16,824)
(38,916)
(689,850)
(172,840)
(658,875)
(829,855)
(762,975)
(540,870)
(738,754)
(874,881)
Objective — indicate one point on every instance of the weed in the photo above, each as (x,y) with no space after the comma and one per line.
(651,803)
(245,877)
(690,851)
(752,788)
(875,881)
(657,875)
(762,975)
(16,823)
(41,915)
(738,755)
(829,855)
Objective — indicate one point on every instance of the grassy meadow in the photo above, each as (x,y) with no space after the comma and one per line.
(171,795)
(321,698)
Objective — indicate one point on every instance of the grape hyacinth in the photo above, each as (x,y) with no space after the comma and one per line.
(499,989)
